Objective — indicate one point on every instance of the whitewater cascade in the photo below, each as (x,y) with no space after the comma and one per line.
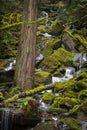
(6,119)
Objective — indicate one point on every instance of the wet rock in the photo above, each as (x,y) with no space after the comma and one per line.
(68,43)
(6,76)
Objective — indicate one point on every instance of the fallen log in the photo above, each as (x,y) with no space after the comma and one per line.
(29,93)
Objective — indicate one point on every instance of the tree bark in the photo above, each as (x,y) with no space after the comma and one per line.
(24,74)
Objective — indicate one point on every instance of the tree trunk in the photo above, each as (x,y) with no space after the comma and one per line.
(24,73)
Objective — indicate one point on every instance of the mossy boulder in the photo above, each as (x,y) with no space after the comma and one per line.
(48,97)
(64,103)
(59,58)
(65,86)
(42,77)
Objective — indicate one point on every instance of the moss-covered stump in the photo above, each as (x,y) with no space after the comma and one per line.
(42,77)
(59,58)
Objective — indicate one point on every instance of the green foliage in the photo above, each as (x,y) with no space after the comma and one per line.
(14,90)
(48,97)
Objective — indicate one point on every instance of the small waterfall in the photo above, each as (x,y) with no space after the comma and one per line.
(69,74)
(6,119)
(10,65)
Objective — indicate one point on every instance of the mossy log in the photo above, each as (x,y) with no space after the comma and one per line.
(29,93)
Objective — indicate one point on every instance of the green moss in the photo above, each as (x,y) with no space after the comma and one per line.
(52,44)
(27,104)
(81,39)
(56,27)
(41,28)
(81,84)
(81,76)
(75,109)
(35,90)
(1,96)
(14,90)
(59,58)
(65,86)
(69,33)
(2,64)
(82,94)
(64,102)
(70,94)
(73,124)
(59,72)
(48,96)
(42,77)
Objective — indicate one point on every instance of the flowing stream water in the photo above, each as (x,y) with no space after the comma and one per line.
(6,119)
(7,116)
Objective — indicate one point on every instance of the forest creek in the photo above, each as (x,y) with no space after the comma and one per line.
(43,65)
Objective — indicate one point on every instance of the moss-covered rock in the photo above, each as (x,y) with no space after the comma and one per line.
(82,94)
(82,41)
(82,75)
(48,97)
(74,124)
(59,58)
(81,84)
(52,44)
(42,77)
(64,103)
(65,86)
